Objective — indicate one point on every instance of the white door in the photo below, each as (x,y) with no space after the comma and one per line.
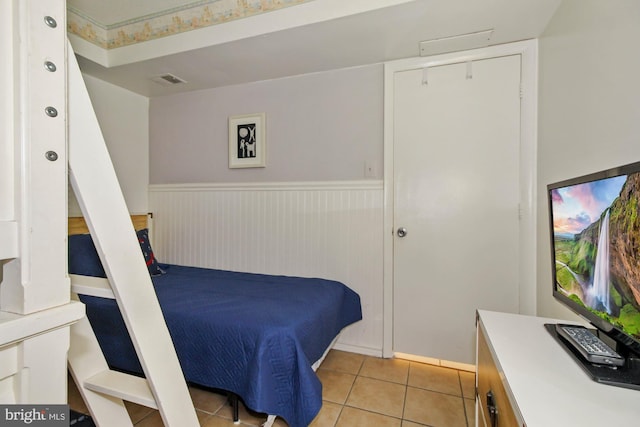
(456,193)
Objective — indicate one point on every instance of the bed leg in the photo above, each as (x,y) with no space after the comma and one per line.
(270,420)
(233,400)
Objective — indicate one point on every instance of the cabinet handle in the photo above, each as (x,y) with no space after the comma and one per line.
(492,409)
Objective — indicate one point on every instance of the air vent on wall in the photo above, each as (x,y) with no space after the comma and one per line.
(456,43)
(168,79)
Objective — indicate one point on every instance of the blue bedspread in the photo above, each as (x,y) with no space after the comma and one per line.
(251,334)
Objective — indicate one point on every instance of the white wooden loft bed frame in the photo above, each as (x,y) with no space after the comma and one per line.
(35,307)
(48,131)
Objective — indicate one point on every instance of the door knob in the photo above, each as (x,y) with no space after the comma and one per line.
(401,232)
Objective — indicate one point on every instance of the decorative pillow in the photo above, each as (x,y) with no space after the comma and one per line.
(83,257)
(145,245)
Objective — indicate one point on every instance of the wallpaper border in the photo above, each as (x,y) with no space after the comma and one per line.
(193,16)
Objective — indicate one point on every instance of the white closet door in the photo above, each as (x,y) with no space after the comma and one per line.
(456,179)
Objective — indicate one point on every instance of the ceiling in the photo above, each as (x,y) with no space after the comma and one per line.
(311,36)
(114,11)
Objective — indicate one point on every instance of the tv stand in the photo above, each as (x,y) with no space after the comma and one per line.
(535,383)
(627,376)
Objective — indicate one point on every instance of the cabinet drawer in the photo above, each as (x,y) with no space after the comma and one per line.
(491,390)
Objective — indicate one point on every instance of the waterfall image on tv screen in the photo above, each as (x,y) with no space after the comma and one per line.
(596,228)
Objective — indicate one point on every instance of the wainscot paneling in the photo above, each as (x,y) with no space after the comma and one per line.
(328,229)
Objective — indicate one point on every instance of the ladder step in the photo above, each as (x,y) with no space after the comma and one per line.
(124,386)
(93,286)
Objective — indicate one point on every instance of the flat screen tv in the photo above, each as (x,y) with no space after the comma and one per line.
(595,246)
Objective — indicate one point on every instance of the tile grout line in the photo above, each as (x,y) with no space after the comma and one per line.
(346,399)
(406,391)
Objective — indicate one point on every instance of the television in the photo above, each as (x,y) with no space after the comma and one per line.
(595,251)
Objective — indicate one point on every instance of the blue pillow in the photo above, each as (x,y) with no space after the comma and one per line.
(83,257)
(150,259)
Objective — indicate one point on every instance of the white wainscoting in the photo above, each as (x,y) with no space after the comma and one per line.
(332,230)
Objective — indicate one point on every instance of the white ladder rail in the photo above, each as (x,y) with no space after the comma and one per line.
(100,198)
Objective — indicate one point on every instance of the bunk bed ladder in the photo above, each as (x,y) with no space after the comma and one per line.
(98,193)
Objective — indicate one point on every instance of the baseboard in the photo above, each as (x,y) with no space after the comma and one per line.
(367,351)
(436,362)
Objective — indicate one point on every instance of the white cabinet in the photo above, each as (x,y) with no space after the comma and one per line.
(536,383)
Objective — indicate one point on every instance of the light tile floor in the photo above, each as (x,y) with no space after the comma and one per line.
(357,391)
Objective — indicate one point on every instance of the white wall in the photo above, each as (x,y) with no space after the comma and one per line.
(319,127)
(124,120)
(328,230)
(589,106)
(318,213)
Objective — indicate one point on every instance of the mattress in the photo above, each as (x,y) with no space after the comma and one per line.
(251,334)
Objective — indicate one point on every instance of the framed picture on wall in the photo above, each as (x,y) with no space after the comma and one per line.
(247,141)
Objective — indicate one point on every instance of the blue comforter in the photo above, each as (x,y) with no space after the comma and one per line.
(254,335)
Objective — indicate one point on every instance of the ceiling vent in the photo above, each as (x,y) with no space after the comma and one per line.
(456,43)
(168,79)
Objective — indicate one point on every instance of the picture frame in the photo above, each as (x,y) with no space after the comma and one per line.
(247,145)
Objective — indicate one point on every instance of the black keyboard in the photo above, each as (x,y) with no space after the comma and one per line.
(590,346)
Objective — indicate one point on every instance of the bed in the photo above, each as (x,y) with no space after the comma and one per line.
(257,336)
